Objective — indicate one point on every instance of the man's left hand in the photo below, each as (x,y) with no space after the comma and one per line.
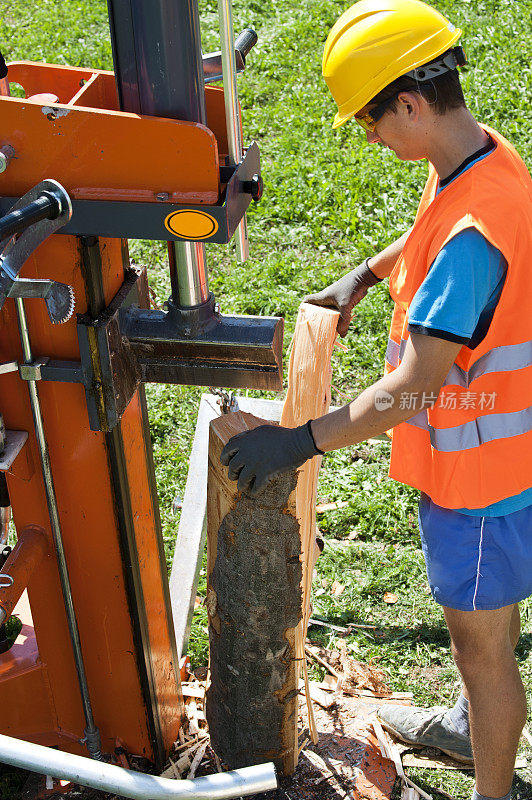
(255,456)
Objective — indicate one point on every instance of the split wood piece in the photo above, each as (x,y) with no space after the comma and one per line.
(308,397)
(445,762)
(324,698)
(179,766)
(254,607)
(310,652)
(196,761)
(196,690)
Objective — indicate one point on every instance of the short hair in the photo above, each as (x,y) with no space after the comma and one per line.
(444,92)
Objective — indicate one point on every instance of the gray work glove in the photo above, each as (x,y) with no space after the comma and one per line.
(255,456)
(345,293)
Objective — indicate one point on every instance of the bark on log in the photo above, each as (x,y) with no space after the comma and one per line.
(254,606)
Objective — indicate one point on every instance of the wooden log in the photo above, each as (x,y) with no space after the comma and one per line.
(261,555)
(254,606)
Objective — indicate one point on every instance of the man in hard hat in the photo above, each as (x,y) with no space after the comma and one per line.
(458,385)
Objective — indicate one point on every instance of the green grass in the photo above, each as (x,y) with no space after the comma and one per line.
(330,201)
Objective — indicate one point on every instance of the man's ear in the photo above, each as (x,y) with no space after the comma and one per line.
(410,102)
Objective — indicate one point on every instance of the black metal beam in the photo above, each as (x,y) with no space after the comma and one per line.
(157,58)
(92,275)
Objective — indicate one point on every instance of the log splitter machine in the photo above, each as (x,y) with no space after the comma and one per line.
(88,159)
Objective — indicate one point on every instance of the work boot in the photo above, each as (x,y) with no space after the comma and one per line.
(426,727)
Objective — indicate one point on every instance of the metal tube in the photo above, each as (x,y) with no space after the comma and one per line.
(125,783)
(188,273)
(92,735)
(232,112)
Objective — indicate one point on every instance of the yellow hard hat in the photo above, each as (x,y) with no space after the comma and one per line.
(376,41)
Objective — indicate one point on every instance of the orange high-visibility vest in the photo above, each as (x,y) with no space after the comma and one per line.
(474,446)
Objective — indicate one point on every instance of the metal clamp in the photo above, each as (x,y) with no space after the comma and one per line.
(6,581)
(32,372)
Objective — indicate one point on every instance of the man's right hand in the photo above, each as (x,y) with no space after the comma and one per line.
(345,293)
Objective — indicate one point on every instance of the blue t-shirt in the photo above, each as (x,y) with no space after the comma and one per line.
(457,300)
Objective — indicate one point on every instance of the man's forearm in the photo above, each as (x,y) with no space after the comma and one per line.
(382,264)
(377,409)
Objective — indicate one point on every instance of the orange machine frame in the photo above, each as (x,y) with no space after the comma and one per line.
(104,481)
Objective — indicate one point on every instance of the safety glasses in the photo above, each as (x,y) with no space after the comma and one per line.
(369,121)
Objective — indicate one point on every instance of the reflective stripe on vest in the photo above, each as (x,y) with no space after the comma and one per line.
(476,432)
(500,359)
(395,352)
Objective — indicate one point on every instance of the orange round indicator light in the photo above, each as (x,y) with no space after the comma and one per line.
(191,224)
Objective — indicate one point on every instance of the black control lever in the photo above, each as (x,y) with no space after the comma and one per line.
(245,41)
(212,62)
(47,206)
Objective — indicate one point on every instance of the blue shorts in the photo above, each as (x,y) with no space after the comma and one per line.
(476,563)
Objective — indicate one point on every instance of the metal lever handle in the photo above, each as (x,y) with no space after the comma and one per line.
(35,216)
(47,206)
(245,41)
(212,62)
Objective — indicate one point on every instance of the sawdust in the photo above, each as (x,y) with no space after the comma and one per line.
(346,762)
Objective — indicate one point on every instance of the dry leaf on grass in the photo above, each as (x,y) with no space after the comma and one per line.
(337,588)
(390,598)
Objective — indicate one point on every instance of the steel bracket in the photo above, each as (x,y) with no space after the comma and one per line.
(112,370)
(128,344)
(32,372)
(123,219)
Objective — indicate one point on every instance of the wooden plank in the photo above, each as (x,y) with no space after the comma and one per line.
(190,539)
(308,397)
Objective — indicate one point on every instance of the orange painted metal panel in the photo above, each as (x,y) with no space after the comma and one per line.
(22,678)
(81,471)
(20,564)
(97,89)
(37,78)
(105,154)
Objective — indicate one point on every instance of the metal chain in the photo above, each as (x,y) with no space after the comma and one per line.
(227,401)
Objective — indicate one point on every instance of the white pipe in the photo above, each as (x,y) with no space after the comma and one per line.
(126,783)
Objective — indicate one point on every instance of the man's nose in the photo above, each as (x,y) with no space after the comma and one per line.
(372,137)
